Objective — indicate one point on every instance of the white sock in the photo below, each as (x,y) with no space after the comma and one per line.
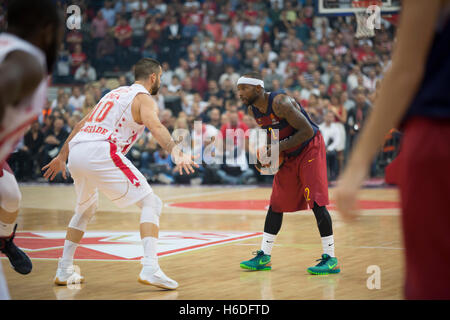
(6,229)
(150,252)
(267,242)
(328,245)
(69,251)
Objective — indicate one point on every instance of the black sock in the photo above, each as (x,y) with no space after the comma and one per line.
(323,219)
(273,221)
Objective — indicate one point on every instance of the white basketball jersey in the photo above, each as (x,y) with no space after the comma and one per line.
(111,120)
(16,120)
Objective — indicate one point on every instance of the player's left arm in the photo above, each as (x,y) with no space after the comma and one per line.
(284,107)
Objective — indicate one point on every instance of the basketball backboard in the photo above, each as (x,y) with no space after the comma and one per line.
(350,7)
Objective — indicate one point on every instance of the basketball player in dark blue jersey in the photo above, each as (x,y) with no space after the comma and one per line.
(414,95)
(301,181)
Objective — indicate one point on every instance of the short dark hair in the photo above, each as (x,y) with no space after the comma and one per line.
(145,67)
(253,74)
(26,16)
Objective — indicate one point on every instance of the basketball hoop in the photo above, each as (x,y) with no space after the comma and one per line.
(363,30)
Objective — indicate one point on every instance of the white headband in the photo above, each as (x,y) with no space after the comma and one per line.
(252,81)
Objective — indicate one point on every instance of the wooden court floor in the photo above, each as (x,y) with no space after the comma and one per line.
(212,272)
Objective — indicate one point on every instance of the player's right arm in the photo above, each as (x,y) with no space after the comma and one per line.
(21,74)
(148,114)
(58,164)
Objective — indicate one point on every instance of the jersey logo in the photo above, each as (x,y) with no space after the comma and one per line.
(274,120)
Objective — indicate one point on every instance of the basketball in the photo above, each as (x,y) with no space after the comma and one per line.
(265,166)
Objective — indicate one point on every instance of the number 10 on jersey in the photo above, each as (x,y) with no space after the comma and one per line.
(100,111)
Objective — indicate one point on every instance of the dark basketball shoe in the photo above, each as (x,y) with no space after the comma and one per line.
(18,259)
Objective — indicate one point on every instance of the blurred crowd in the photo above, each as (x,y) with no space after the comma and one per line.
(204,46)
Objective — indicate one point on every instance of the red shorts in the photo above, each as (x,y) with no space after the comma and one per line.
(302,180)
(424,182)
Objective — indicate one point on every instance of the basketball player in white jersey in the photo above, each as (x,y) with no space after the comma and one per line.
(28,50)
(96,150)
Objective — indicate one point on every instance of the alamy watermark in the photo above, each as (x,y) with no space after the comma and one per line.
(74,282)
(73,21)
(374,280)
(231,149)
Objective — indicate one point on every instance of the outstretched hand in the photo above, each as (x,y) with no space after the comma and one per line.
(54,167)
(184,162)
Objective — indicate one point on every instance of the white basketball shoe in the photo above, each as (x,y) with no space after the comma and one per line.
(153,275)
(67,274)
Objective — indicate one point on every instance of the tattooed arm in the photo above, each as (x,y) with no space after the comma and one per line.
(286,108)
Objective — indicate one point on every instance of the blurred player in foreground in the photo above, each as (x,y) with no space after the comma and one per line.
(96,150)
(415,96)
(28,50)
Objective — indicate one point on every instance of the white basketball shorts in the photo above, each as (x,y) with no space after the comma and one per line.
(98,165)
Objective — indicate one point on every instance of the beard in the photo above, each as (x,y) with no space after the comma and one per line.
(155,88)
(251,100)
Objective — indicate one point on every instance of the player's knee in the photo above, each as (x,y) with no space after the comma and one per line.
(83,214)
(10,199)
(151,207)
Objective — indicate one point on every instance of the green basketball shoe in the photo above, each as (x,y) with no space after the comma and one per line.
(259,263)
(326,265)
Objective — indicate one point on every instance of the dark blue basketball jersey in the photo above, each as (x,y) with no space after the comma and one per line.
(433,97)
(270,121)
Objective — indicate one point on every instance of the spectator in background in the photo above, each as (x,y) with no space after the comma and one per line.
(170,41)
(152,28)
(215,68)
(105,57)
(53,141)
(163,166)
(34,141)
(85,73)
(99,27)
(76,100)
(137,24)
(331,136)
(199,83)
(235,169)
(340,119)
(109,13)
(357,116)
(123,34)
(63,63)
(19,161)
(231,57)
(190,30)
(214,118)
(183,69)
(370,81)
(77,58)
(214,28)
(253,29)
(229,74)
(316,108)
(213,90)
(167,74)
